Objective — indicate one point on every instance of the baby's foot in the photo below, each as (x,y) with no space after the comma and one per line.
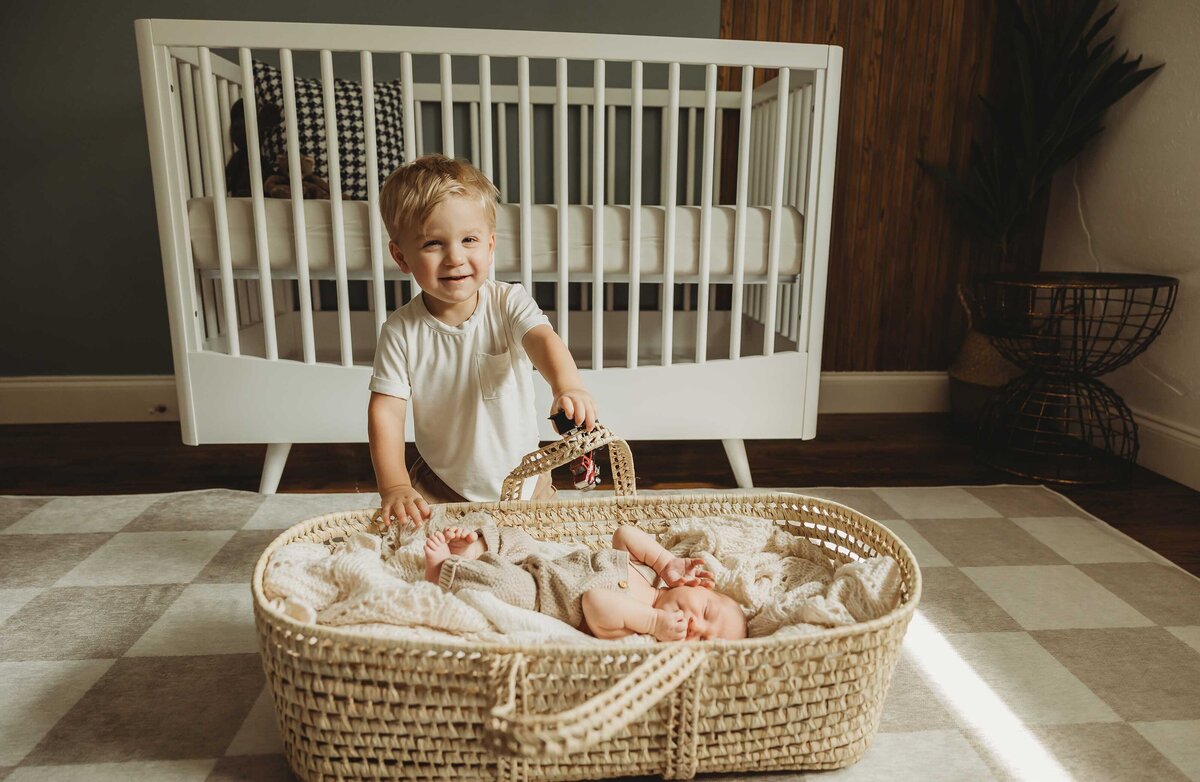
(464,543)
(452,541)
(437,551)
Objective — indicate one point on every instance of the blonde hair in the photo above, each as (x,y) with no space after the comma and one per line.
(411,192)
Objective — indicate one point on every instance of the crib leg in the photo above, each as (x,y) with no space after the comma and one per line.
(735,450)
(277,454)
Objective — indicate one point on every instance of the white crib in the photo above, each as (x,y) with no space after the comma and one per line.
(689,319)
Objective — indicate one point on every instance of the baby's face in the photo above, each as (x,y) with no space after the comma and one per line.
(450,255)
(710,614)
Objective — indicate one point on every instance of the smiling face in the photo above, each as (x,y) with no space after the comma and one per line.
(709,614)
(449,256)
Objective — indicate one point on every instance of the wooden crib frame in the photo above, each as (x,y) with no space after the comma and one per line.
(257,359)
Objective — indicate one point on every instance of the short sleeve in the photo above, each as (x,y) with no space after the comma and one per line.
(522,313)
(390,375)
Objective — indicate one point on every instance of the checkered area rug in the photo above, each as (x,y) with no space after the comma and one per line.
(1047,645)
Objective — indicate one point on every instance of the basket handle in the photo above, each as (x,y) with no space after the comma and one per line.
(595,720)
(563,451)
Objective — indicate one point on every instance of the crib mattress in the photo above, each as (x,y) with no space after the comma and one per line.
(319,230)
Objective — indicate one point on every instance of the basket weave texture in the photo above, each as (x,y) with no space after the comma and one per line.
(352,706)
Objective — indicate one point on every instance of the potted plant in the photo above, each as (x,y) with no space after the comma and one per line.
(1059,79)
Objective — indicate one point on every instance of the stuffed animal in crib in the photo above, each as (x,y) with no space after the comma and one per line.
(237,171)
(278,185)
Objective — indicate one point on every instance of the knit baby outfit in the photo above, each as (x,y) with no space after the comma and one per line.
(511,571)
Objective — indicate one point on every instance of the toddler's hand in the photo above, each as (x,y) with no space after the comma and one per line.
(402,504)
(669,625)
(687,572)
(579,406)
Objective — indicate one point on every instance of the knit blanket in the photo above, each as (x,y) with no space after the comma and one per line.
(375,585)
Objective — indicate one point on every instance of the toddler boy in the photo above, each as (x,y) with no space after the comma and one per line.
(460,353)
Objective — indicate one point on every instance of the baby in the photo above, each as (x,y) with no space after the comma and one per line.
(637,586)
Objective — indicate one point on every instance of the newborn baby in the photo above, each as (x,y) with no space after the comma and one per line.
(637,586)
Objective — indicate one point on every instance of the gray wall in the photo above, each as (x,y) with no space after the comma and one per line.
(82,290)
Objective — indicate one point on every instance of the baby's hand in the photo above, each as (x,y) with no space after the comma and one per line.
(402,504)
(687,572)
(669,625)
(579,406)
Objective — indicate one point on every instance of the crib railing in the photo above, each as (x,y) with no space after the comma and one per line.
(784,159)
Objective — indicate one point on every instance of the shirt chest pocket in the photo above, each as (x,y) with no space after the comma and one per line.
(497,377)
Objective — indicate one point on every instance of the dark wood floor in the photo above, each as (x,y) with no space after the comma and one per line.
(850,450)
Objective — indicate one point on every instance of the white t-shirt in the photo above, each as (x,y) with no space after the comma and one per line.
(469,388)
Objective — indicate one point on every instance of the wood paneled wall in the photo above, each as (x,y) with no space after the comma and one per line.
(911,71)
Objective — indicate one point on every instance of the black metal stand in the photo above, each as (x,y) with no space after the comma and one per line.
(1058,422)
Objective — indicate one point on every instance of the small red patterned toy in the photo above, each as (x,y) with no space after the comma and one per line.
(584,470)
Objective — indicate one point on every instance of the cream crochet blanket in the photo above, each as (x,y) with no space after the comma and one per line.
(785,584)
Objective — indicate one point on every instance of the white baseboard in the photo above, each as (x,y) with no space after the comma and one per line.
(1166,448)
(87,399)
(1169,449)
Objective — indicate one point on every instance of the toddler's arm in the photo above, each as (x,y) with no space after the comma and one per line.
(611,614)
(385,429)
(675,571)
(554,361)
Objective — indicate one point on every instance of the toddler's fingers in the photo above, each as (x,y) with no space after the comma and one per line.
(568,407)
(413,513)
(423,506)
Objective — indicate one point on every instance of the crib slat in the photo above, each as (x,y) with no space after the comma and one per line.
(635,218)
(262,251)
(412,133)
(208,90)
(583,154)
(793,134)
(780,177)
(739,232)
(485,118)
(298,221)
(410,130)
(598,202)
(706,199)
(335,205)
(810,221)
(190,132)
(562,197)
(447,107)
(610,138)
(690,185)
(202,126)
(378,295)
(806,127)
(525,138)
(668,287)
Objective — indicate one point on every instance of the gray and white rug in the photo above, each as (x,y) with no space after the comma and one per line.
(1047,646)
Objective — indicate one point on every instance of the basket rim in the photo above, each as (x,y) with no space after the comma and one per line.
(331,634)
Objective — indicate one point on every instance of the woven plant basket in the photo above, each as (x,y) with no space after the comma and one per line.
(352,706)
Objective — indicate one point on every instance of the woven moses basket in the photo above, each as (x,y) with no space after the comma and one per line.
(351,706)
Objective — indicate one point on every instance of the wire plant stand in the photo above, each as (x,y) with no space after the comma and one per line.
(1058,422)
